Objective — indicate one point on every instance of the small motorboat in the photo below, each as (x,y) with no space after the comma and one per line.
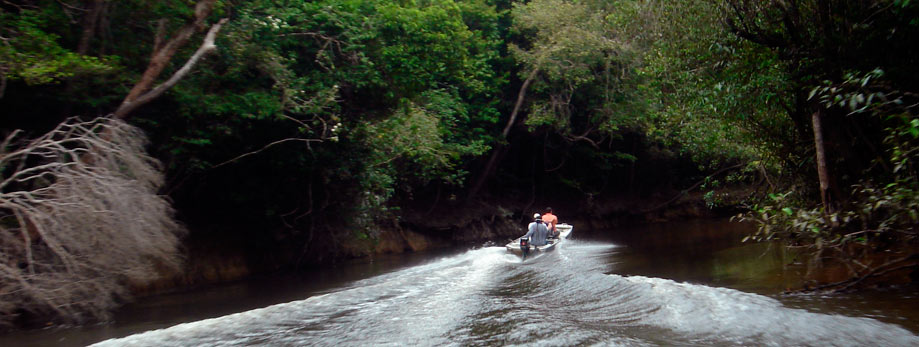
(523,249)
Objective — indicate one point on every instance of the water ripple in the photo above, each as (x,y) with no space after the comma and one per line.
(486,297)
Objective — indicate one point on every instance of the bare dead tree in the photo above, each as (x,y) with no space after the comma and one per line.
(80,219)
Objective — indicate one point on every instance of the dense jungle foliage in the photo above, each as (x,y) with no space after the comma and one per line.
(316,122)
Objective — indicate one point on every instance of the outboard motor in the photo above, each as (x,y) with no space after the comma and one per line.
(525,246)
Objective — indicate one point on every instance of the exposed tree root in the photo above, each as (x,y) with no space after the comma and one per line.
(909,261)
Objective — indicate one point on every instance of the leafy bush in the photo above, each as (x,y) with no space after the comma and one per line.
(881,209)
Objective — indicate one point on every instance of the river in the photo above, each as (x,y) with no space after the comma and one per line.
(688,283)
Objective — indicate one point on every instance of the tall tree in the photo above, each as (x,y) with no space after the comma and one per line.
(578,67)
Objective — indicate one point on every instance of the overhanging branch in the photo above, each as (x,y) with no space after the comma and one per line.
(206,47)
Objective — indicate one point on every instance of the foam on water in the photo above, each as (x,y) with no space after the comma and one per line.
(567,297)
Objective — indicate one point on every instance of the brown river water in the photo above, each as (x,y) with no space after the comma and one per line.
(686,283)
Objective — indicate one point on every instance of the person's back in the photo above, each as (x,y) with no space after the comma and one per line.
(537,232)
(551,220)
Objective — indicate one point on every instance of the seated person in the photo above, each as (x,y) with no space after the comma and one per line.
(537,232)
(551,220)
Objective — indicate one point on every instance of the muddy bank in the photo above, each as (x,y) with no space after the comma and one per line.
(447,225)
(210,261)
(470,225)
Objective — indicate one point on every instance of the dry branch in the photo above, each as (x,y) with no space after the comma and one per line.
(162,56)
(687,190)
(910,261)
(138,97)
(278,142)
(80,220)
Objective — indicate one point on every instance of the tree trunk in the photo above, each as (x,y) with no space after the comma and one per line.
(89,26)
(163,55)
(632,167)
(2,82)
(489,167)
(822,173)
(140,95)
(520,96)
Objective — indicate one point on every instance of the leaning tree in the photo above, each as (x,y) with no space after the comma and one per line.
(81,219)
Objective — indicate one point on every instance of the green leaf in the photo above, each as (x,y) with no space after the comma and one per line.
(812,93)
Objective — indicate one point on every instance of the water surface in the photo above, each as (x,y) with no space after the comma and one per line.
(689,283)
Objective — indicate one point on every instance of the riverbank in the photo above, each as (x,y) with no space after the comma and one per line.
(442,226)
(451,224)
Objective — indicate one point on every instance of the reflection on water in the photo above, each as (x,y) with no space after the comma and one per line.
(703,251)
(214,301)
(677,284)
(710,252)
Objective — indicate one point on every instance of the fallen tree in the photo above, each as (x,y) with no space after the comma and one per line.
(79,220)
